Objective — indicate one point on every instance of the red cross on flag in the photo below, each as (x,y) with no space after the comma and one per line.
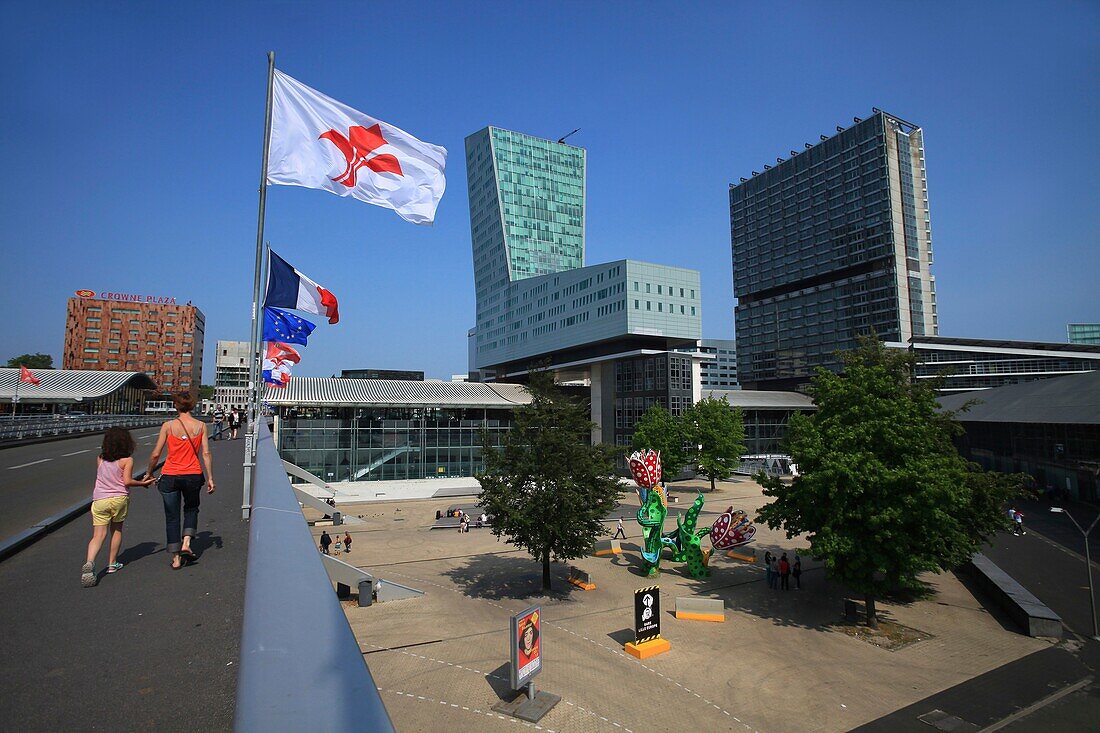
(26,375)
(318,142)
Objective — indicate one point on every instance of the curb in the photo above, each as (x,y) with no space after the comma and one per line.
(12,545)
(27,537)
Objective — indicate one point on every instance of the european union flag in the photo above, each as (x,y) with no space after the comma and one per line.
(281,325)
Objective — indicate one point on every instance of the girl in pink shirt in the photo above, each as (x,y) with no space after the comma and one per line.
(111,500)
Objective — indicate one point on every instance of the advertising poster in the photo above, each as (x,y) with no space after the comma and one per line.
(647,613)
(526,646)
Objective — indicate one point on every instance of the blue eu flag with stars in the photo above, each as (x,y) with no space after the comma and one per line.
(281,325)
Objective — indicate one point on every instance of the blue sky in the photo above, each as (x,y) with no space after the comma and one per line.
(132,135)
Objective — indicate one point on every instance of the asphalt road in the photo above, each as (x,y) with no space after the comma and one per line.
(149,648)
(41,479)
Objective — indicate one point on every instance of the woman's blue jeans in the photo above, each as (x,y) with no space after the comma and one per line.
(173,490)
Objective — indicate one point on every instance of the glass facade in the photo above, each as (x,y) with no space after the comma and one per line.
(1083,333)
(640,383)
(526,211)
(373,443)
(969,366)
(830,244)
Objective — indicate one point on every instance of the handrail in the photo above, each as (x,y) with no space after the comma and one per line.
(23,427)
(301,667)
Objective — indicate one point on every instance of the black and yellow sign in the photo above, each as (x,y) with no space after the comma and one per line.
(647,614)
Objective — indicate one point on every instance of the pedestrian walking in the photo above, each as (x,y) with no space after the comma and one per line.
(796,572)
(784,572)
(325,542)
(465,522)
(218,417)
(619,531)
(775,572)
(768,568)
(111,500)
(182,477)
(347,542)
(234,423)
(1018,520)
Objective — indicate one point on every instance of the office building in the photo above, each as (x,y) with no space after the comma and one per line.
(720,370)
(128,332)
(831,242)
(1083,333)
(398,374)
(963,365)
(539,304)
(231,365)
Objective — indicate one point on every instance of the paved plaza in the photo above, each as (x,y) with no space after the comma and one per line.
(778,663)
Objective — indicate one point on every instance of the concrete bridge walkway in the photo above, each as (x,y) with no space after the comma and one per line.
(149,648)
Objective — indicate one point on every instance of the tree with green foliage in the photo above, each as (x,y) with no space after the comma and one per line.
(660,430)
(717,433)
(206,391)
(32,361)
(547,488)
(882,494)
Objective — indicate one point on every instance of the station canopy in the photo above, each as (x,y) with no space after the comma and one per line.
(59,386)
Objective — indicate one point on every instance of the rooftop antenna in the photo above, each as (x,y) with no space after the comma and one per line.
(563,137)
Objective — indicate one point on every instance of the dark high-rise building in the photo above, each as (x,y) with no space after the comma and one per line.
(828,244)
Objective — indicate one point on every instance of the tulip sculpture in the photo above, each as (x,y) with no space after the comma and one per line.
(732,529)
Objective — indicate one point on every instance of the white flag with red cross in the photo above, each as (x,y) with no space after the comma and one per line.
(318,142)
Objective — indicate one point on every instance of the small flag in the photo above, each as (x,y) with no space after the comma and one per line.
(318,142)
(278,362)
(288,288)
(281,325)
(26,375)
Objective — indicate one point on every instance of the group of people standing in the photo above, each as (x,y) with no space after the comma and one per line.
(235,418)
(186,470)
(779,570)
(326,543)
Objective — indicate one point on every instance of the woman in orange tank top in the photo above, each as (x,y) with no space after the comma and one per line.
(182,477)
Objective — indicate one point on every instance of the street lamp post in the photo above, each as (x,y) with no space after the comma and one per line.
(1088,564)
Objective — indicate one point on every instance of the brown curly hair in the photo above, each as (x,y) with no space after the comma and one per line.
(117,443)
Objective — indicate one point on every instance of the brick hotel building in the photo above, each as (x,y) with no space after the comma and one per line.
(117,332)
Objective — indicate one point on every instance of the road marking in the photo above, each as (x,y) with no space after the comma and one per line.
(32,463)
(1042,703)
(76,453)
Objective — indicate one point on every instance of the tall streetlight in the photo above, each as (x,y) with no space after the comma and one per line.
(1088,563)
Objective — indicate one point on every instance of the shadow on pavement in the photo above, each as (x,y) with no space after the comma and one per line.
(204,541)
(136,552)
(622,636)
(498,578)
(499,680)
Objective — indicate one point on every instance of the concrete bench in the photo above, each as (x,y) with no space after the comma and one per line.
(1023,607)
(603,548)
(694,608)
(581,579)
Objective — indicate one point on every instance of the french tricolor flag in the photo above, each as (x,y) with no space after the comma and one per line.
(288,288)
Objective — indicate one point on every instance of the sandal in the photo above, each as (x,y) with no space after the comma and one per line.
(175,560)
(114,567)
(187,552)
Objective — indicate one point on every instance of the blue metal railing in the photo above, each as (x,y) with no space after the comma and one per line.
(301,667)
(26,427)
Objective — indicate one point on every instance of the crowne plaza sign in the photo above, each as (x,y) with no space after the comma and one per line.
(127,297)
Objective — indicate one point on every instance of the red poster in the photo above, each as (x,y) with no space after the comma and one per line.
(527,645)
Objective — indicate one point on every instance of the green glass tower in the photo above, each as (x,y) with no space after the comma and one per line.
(526,212)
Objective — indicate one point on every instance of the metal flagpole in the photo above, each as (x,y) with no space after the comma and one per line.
(254,368)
